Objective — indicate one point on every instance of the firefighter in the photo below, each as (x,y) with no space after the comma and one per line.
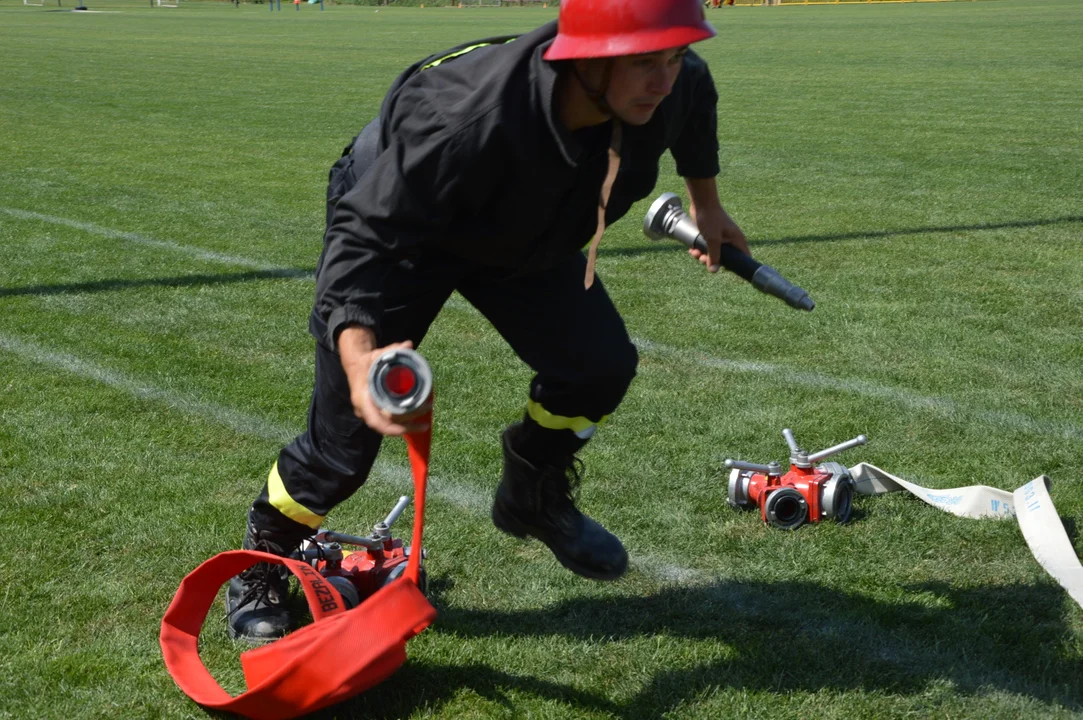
(489,169)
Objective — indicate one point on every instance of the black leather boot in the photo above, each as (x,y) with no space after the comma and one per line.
(256,599)
(538,502)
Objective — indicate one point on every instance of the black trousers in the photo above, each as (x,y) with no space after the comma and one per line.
(571,337)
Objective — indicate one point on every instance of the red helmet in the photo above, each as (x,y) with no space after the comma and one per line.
(608,28)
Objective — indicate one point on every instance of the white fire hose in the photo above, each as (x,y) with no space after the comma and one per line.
(1030,505)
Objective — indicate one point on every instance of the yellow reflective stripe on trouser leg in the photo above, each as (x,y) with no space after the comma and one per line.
(581,426)
(281,500)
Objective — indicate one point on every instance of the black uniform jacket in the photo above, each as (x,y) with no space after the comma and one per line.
(474,162)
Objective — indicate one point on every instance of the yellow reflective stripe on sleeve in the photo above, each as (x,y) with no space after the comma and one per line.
(558,422)
(281,500)
(464,51)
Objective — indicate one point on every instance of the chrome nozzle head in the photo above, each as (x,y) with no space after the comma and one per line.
(400,381)
(657,221)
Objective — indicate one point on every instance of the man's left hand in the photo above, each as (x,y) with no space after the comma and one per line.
(717,228)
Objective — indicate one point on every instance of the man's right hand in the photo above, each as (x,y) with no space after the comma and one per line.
(357,349)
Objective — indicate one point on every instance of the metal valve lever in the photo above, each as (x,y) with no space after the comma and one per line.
(800,458)
(344,539)
(791,441)
(772,468)
(667,219)
(396,511)
(835,449)
(382,529)
(380,532)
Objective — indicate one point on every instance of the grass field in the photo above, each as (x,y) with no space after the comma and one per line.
(918,168)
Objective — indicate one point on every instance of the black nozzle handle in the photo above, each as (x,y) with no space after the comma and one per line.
(763,277)
(666,218)
(768,280)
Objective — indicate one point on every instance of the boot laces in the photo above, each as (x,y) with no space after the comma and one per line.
(560,490)
(260,580)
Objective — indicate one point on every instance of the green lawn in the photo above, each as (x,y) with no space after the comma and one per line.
(918,168)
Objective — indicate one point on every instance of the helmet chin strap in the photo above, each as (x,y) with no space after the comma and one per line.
(597,95)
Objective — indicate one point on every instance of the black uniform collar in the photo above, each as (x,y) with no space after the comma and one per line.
(545,74)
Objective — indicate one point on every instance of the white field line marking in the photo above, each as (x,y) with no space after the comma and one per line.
(907,398)
(238,421)
(195,252)
(944,406)
(460,494)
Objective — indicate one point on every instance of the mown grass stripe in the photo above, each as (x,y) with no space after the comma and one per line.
(915,401)
(460,494)
(912,400)
(238,421)
(196,252)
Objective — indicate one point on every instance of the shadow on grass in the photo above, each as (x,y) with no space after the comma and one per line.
(860,235)
(785,637)
(177,281)
(418,685)
(1070,529)
(222,279)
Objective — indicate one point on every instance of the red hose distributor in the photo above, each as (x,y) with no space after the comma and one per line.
(371,563)
(806,493)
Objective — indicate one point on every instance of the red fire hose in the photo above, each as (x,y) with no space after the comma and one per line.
(342,653)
